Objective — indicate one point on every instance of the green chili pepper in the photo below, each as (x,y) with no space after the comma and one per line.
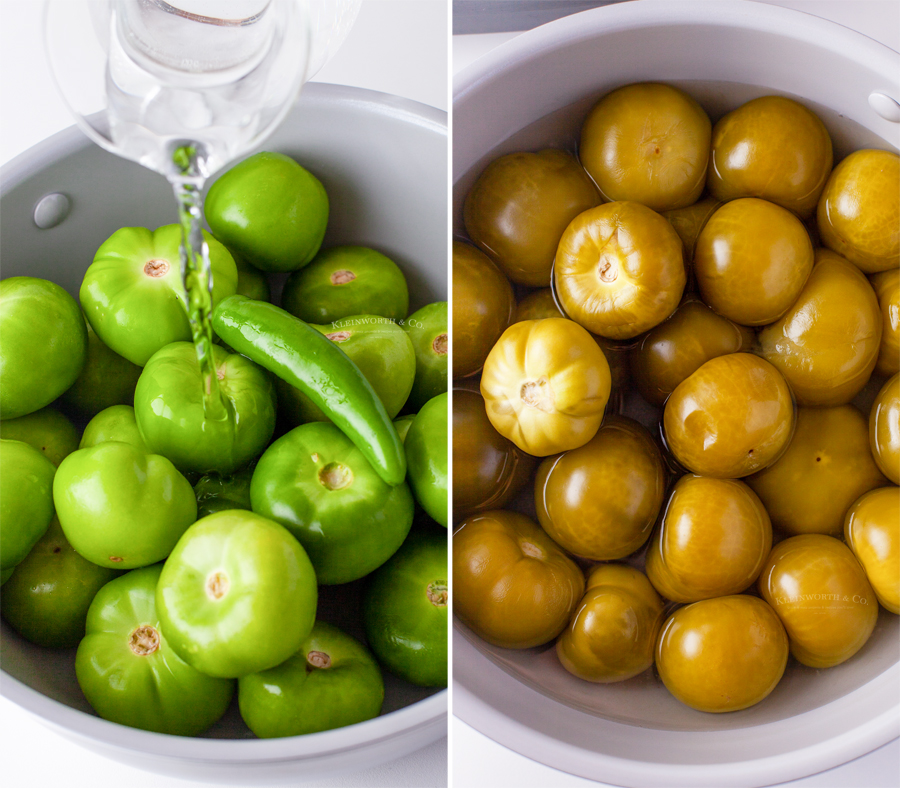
(301,356)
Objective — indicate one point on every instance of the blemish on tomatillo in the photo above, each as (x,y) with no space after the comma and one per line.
(440,345)
(342,277)
(339,336)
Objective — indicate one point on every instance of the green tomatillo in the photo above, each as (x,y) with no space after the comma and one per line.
(426,457)
(47,430)
(270,210)
(128,671)
(405,610)
(331,682)
(170,411)
(316,483)
(121,507)
(133,295)
(345,281)
(116,423)
(47,598)
(427,328)
(26,500)
(106,379)
(238,595)
(44,344)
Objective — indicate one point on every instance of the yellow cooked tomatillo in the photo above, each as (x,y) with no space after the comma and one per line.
(483,305)
(824,469)
(679,346)
(619,269)
(545,386)
(512,585)
(774,148)
(884,429)
(722,654)
(649,143)
(859,212)
(751,261)
(827,343)
(712,541)
(887,288)
(821,594)
(872,529)
(730,418)
(613,633)
(519,206)
(600,501)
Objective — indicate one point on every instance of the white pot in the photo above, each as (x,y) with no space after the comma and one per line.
(533,92)
(383,161)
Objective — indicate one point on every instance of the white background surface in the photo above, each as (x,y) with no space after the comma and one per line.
(479,762)
(396,46)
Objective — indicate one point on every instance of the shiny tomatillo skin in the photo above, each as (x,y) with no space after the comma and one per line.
(826,345)
(115,423)
(679,346)
(752,260)
(884,429)
(612,635)
(319,486)
(307,360)
(133,295)
(488,469)
(237,595)
(46,430)
(169,407)
(129,672)
(824,469)
(44,344)
(519,206)
(647,142)
(619,270)
(26,500)
(406,606)
(600,501)
(483,306)
(545,385)
(120,506)
(712,540)
(858,215)
(344,281)
(887,288)
(426,458)
(774,148)
(513,586)
(331,682)
(271,210)
(722,654)
(872,531)
(47,598)
(821,594)
(730,418)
